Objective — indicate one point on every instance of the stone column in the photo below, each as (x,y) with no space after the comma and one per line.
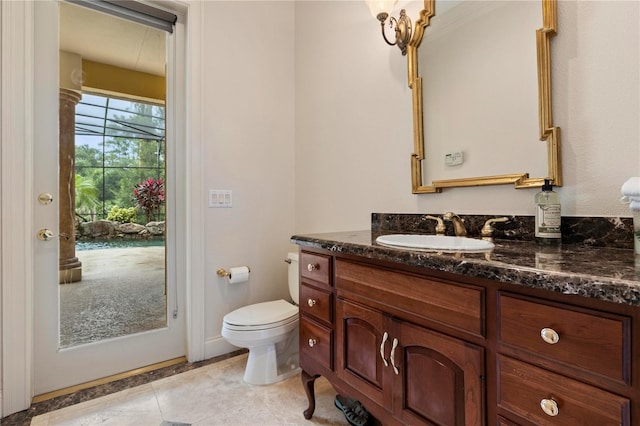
(70,266)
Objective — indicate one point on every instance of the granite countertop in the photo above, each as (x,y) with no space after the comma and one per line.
(609,274)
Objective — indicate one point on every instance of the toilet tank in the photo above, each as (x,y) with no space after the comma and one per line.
(294,276)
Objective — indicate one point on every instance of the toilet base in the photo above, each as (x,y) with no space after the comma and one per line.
(273,363)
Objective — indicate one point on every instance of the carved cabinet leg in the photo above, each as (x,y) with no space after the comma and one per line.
(308,382)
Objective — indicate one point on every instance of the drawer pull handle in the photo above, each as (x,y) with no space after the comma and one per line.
(550,407)
(393,356)
(549,335)
(384,340)
(311,267)
(311,302)
(312,342)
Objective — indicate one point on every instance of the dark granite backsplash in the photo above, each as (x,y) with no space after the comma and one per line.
(614,232)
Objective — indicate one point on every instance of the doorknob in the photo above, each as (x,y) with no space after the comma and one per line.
(45,199)
(46,235)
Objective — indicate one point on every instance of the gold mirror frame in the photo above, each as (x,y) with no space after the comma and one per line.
(548,132)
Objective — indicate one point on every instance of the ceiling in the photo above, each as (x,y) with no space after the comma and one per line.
(100,37)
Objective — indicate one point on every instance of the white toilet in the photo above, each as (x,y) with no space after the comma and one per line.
(270,331)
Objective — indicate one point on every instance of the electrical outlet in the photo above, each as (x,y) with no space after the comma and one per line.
(454,158)
(220,198)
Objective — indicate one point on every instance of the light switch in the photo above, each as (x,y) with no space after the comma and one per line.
(220,198)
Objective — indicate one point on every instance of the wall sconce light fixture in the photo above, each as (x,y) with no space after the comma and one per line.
(381,9)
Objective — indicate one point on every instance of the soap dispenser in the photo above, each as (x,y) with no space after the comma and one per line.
(547,219)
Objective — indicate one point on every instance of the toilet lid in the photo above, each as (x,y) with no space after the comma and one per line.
(262,313)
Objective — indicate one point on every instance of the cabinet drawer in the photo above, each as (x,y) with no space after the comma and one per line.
(596,342)
(316,303)
(316,343)
(453,305)
(504,422)
(523,387)
(315,267)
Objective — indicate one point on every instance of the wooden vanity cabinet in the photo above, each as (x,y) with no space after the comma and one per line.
(430,348)
(403,371)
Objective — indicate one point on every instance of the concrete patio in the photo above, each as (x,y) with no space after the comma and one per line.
(122,292)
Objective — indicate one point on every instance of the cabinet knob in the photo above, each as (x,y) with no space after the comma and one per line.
(311,302)
(549,335)
(550,407)
(312,342)
(313,267)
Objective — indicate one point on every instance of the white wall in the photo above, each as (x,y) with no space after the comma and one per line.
(248,89)
(354,129)
(597,71)
(353,115)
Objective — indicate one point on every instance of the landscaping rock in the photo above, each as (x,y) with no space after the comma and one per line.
(130,228)
(98,228)
(155,228)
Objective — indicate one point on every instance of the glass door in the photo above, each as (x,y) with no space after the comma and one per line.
(106,298)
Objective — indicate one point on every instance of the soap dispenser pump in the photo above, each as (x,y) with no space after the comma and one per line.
(548,216)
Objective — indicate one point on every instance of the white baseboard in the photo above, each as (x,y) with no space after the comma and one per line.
(217,346)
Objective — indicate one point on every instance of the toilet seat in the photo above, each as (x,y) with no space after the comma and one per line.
(261,316)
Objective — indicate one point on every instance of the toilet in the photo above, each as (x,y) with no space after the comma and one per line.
(270,331)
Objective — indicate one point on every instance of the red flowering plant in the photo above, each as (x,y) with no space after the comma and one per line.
(149,195)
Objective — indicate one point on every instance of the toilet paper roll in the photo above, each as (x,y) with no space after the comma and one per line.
(239,274)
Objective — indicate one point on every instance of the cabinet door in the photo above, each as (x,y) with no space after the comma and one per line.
(359,333)
(440,379)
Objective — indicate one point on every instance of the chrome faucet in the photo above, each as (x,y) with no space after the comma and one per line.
(458,224)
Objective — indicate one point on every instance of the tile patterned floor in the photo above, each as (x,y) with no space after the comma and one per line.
(214,394)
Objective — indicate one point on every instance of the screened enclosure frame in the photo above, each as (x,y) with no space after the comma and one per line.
(102,122)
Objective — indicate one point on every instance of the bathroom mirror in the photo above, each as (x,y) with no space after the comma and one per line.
(480,74)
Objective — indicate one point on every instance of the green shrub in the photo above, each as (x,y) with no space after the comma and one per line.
(122,214)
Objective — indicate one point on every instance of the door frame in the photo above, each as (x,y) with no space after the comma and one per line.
(17,230)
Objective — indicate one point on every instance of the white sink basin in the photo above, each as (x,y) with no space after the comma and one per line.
(435,243)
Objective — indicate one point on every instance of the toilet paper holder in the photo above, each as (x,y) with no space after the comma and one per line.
(224,273)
